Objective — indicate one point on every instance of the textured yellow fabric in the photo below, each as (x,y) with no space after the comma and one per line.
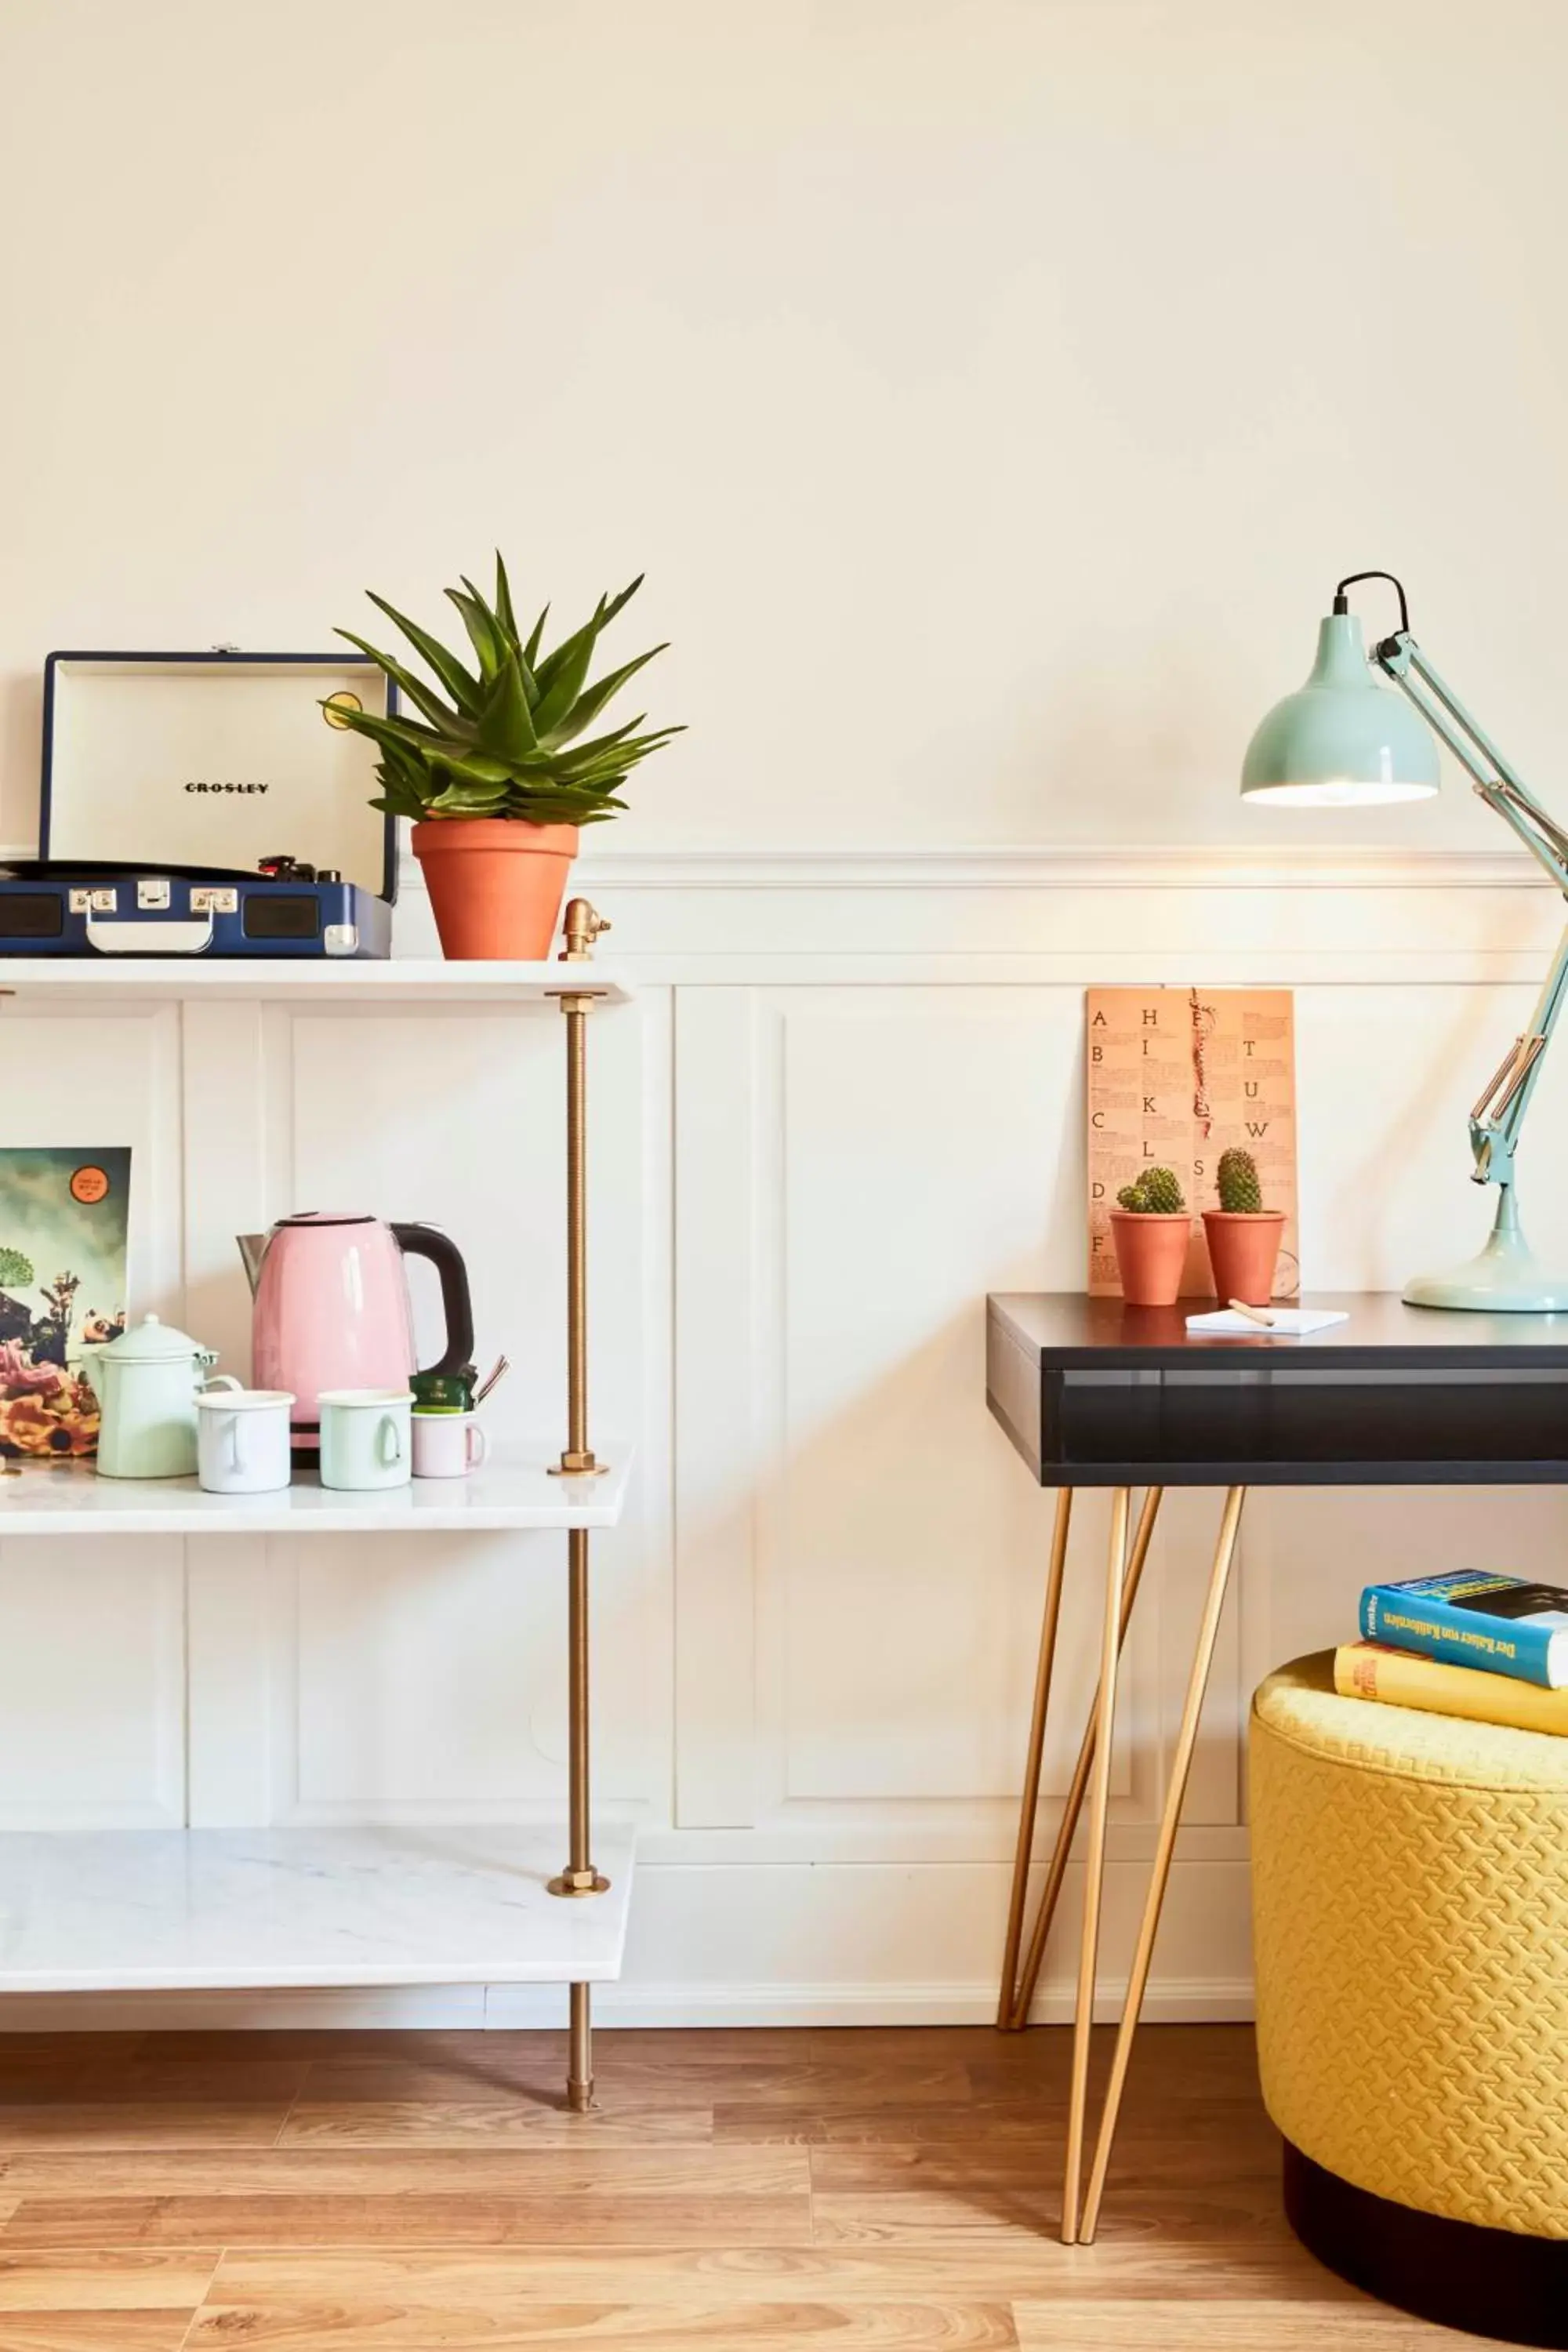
(1410,1924)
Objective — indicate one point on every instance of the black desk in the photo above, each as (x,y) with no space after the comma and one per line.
(1095,1393)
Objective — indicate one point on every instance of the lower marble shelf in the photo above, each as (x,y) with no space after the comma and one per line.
(123,1910)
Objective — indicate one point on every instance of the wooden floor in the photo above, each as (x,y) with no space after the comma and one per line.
(853,2188)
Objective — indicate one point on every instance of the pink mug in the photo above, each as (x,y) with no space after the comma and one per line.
(446,1444)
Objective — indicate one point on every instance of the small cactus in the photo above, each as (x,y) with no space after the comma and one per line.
(1162,1193)
(1155,1194)
(1236,1181)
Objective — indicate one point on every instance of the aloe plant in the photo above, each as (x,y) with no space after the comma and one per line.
(503,737)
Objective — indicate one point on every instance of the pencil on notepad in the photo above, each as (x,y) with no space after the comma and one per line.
(1253,1314)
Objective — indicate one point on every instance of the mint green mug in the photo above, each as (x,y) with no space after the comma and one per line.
(365,1437)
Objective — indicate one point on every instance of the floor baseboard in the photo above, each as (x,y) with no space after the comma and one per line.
(494,2008)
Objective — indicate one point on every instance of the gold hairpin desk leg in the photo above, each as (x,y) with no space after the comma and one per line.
(579,1877)
(1013,2013)
(1029,1803)
(1149,1928)
(1094,1860)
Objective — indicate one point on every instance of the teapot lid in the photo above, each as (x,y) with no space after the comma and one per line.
(152,1343)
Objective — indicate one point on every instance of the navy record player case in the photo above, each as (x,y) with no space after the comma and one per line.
(200,803)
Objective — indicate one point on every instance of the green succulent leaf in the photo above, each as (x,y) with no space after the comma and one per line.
(476,767)
(465,690)
(585,755)
(504,612)
(506,619)
(559,696)
(507,728)
(398,800)
(405,775)
(613,759)
(484,632)
(463,798)
(615,603)
(403,731)
(566,653)
(577,648)
(509,743)
(503,636)
(439,713)
(589,703)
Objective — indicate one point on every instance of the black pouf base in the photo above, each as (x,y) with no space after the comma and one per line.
(1491,2281)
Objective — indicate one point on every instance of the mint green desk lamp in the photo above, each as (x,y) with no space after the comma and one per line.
(1343,740)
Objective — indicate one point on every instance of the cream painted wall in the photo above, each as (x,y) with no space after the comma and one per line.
(991,388)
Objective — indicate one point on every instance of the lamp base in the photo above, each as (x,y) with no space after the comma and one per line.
(1506,1280)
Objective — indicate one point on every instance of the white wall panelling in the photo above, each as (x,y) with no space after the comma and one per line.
(92,1728)
(845,1104)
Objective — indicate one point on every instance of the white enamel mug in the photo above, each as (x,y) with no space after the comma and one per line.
(242,1440)
(446,1444)
(365,1440)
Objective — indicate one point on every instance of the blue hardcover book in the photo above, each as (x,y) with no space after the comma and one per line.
(1503,1624)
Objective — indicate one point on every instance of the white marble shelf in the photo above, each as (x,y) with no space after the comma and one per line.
(124,1910)
(285,980)
(507,1492)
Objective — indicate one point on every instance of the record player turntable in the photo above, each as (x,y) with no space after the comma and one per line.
(283,908)
(169,781)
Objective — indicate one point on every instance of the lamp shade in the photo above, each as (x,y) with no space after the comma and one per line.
(1343,740)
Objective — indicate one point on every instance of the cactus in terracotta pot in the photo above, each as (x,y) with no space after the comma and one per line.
(1151,1227)
(1243,1237)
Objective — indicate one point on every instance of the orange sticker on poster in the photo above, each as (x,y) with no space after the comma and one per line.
(90,1185)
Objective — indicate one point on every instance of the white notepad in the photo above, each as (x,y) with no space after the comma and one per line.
(1289,1323)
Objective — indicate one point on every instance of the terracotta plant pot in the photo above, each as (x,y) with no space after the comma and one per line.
(1151,1254)
(496,885)
(1244,1250)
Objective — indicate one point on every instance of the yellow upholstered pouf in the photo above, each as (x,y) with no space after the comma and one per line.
(1410,1888)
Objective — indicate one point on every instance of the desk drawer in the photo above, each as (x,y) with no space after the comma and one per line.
(1296,1422)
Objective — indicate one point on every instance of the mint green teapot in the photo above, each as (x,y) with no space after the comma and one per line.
(146,1383)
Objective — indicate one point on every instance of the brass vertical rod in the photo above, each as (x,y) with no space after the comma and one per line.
(579,1877)
(1094,1869)
(1149,1928)
(579,2058)
(577,1455)
(580,1865)
(1073,1806)
(1028,1803)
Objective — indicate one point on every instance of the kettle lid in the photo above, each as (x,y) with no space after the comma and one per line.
(327,1217)
(152,1343)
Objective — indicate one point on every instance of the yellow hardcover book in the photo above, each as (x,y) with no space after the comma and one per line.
(1401,1679)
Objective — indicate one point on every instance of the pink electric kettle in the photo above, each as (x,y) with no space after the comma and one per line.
(332,1311)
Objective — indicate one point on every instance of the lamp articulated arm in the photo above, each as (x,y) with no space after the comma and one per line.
(1499,1114)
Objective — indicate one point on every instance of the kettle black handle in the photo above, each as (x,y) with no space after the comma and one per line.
(425,1241)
